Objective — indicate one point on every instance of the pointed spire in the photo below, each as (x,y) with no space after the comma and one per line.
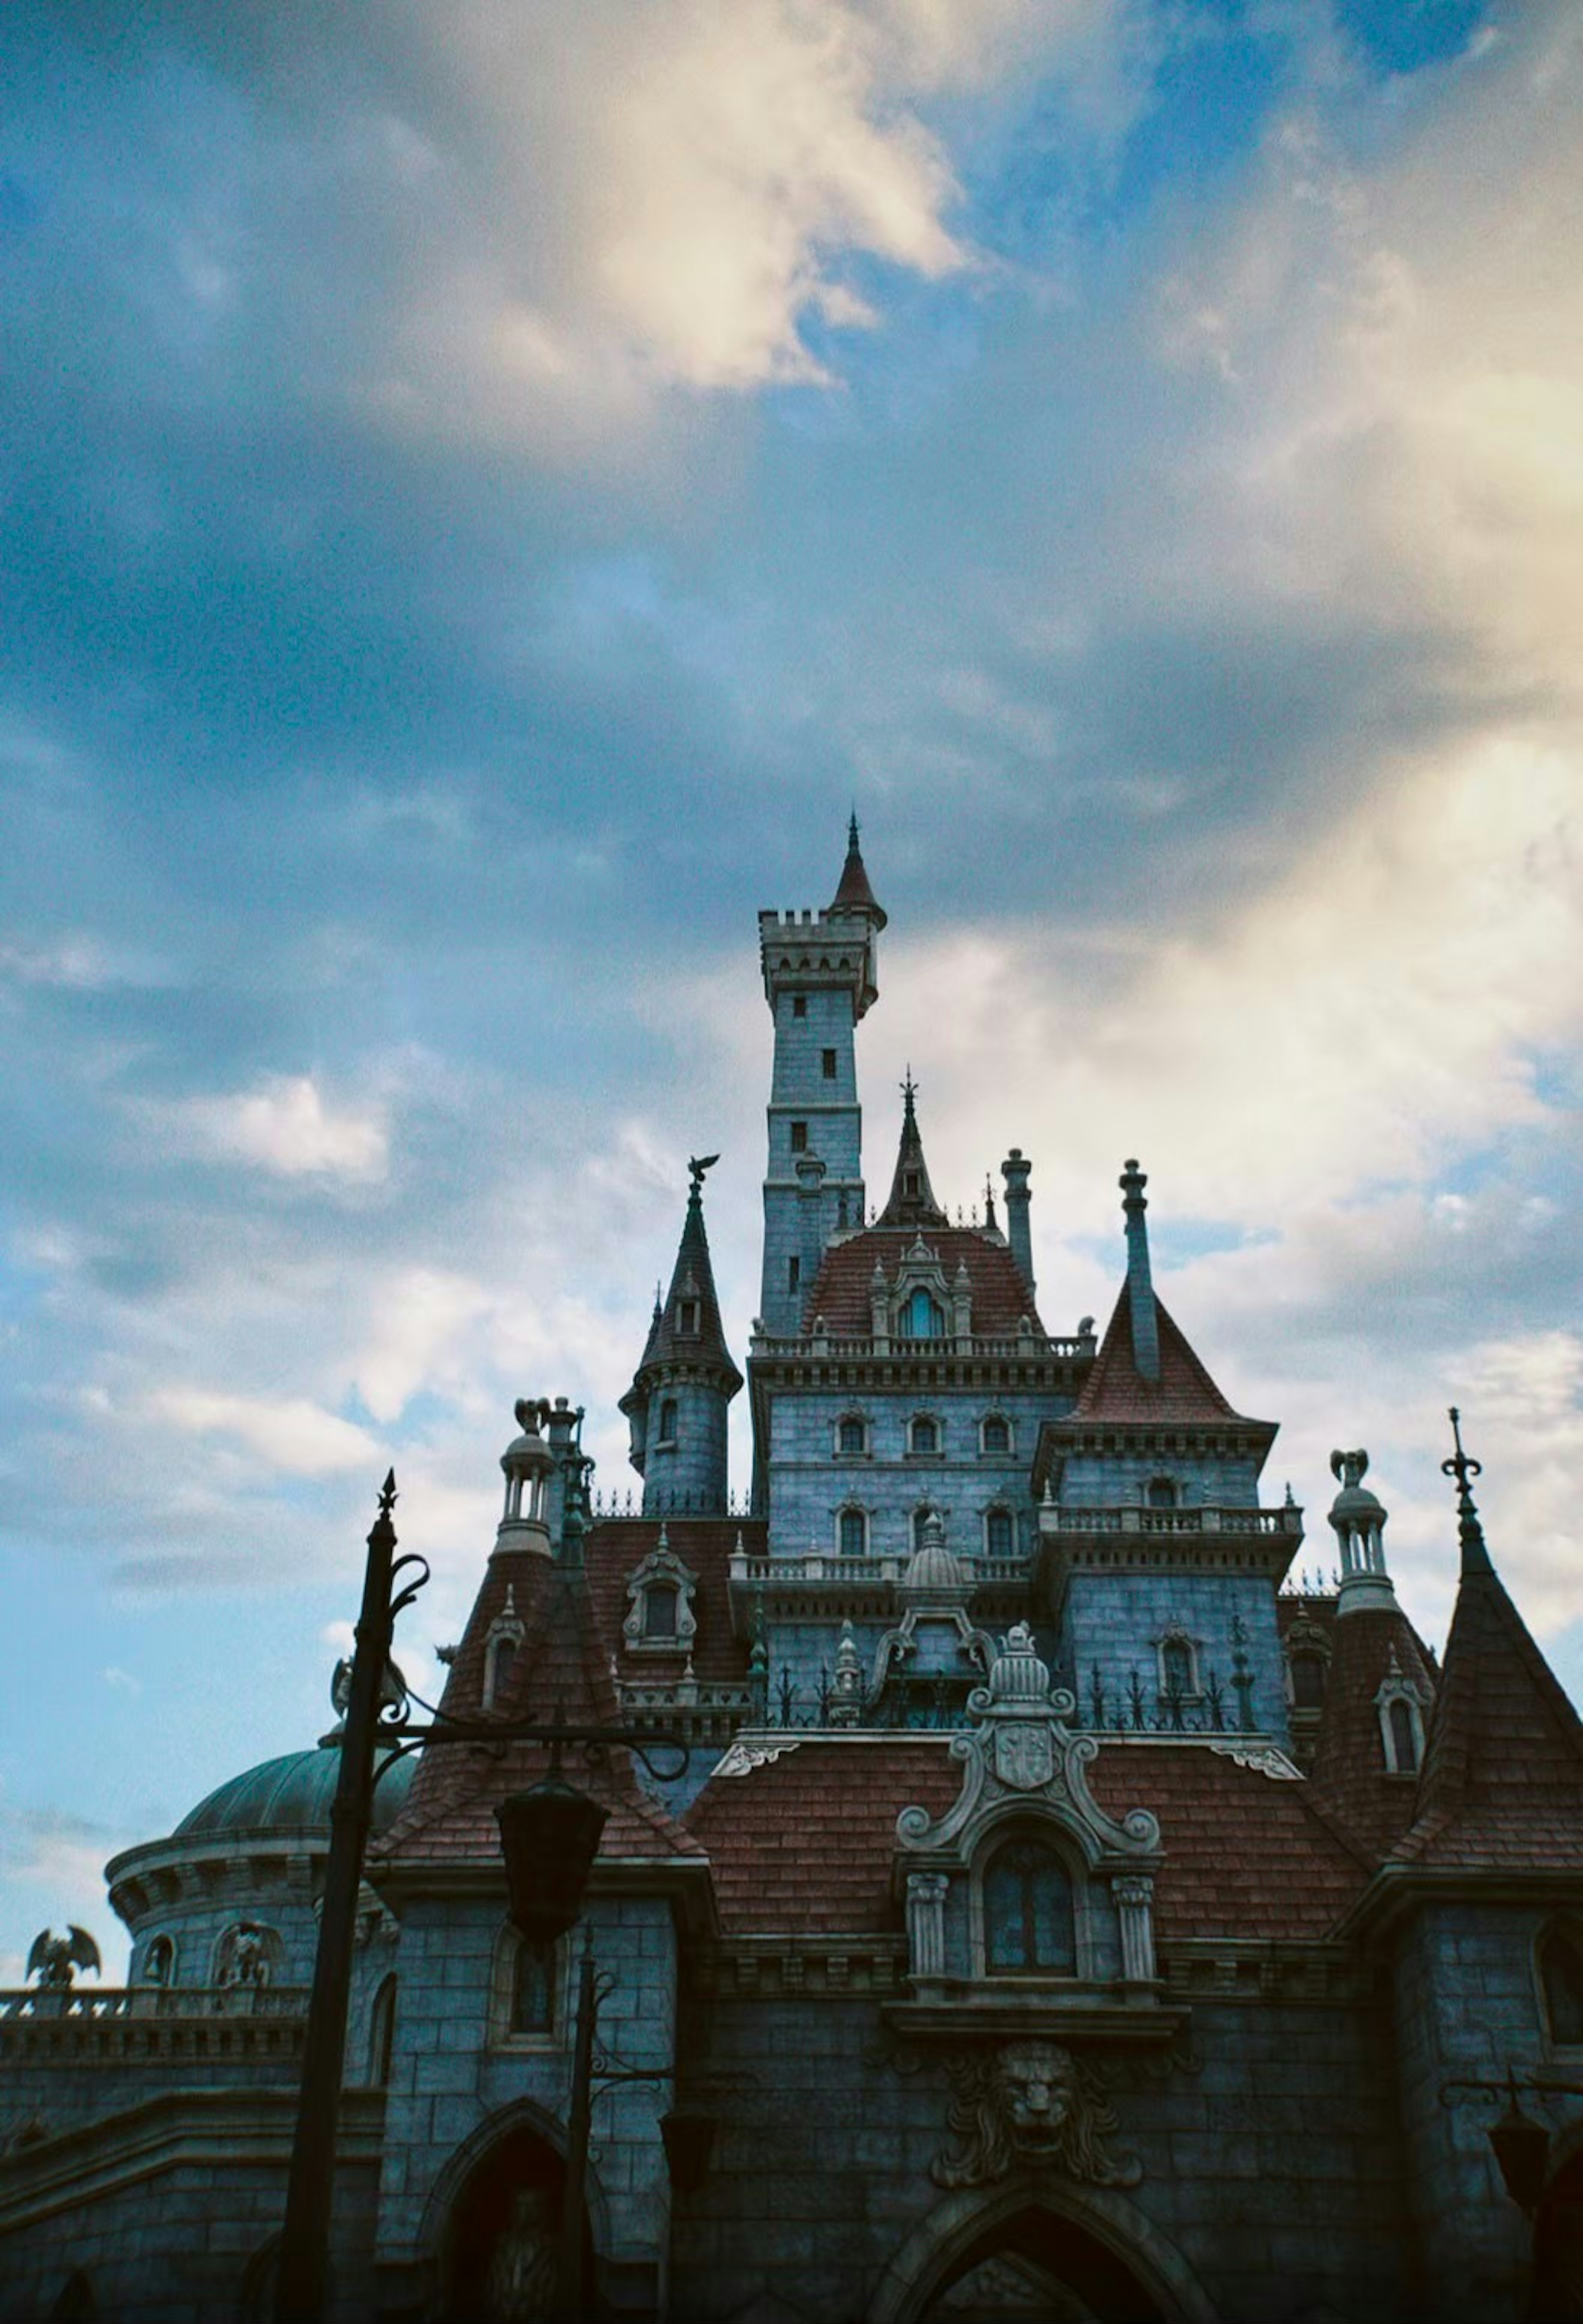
(1140,1288)
(853,893)
(1470,1532)
(686,1324)
(912,1198)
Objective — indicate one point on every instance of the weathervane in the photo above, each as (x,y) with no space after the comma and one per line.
(697,1165)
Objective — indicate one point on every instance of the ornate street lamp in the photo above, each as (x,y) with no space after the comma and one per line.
(1522,2150)
(549,1835)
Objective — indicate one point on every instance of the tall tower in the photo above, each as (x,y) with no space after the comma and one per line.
(676,1407)
(819,978)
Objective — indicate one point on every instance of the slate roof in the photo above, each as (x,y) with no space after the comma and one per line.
(1348,1773)
(1502,1786)
(1184,1394)
(843,1287)
(806,1843)
(912,1202)
(613,1551)
(692,1277)
(558,1674)
(853,893)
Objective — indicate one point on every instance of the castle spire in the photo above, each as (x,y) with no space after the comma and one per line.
(677,1405)
(1140,1288)
(912,1198)
(1469,1531)
(853,893)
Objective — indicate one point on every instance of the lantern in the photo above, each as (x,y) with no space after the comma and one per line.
(550,1837)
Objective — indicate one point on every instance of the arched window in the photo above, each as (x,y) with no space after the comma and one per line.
(158,1963)
(996,1434)
(533,1988)
(659,1610)
(1177,1671)
(1560,1972)
(921,1318)
(1001,1533)
(853,1533)
(1163,1493)
(1308,1681)
(502,1656)
(668,1421)
(1029,1925)
(381,2034)
(923,1435)
(852,1434)
(1404,1736)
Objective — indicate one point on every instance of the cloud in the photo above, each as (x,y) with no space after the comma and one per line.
(286,1126)
(291,1434)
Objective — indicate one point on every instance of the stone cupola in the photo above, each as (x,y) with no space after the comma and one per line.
(526,1461)
(1359,1521)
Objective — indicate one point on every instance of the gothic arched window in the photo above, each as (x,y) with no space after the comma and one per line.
(381,2034)
(158,1963)
(1001,1533)
(668,1421)
(995,1436)
(921,1318)
(853,1533)
(1560,1973)
(533,1988)
(1029,1924)
(502,1654)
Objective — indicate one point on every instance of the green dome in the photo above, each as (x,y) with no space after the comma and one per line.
(292,1793)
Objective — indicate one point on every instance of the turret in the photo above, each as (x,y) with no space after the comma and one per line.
(819,979)
(528,1464)
(913,1201)
(677,1405)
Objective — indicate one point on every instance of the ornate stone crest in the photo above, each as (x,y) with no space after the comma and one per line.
(1024,1758)
(1029,2104)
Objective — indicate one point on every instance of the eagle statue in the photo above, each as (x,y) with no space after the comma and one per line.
(55,1961)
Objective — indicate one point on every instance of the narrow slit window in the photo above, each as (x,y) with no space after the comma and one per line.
(799,1138)
(1403,1737)
(668,1421)
(829,1063)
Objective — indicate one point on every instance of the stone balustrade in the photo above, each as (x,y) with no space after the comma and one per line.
(1056,1517)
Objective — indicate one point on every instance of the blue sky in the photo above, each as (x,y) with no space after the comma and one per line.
(487,487)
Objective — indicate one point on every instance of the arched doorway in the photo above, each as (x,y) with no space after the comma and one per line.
(501,2239)
(1036,2263)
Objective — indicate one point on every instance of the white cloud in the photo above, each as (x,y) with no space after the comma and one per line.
(287,1126)
(289,1434)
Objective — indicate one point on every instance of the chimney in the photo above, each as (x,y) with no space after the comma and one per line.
(1018,1231)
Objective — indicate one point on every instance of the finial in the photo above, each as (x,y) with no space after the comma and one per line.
(909,1090)
(698,1165)
(1132,1182)
(387,1494)
(1470,1532)
(656,1296)
(851,831)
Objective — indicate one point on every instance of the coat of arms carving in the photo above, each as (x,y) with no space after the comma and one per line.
(1025,1759)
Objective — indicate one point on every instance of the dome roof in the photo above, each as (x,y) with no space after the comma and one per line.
(292,1793)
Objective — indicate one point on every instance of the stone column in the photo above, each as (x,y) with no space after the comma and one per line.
(1134,1910)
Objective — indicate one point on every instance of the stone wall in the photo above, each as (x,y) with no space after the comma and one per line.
(1116,1619)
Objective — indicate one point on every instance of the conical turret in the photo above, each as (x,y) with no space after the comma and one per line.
(677,1405)
(853,893)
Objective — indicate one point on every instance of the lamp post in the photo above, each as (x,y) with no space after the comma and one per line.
(550,1837)
(1521,2146)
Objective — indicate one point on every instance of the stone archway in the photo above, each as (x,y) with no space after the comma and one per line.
(1038,2253)
(502,2232)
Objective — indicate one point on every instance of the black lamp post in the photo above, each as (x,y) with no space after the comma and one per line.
(550,1837)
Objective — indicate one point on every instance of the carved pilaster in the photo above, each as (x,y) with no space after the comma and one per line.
(926,1923)
(1134,1910)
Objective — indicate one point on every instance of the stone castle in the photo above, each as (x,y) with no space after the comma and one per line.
(1057,1915)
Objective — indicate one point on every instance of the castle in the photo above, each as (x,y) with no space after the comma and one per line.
(1055,1915)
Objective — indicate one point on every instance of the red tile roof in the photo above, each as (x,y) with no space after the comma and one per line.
(613,1551)
(853,893)
(1184,1393)
(843,1288)
(1348,1773)
(1501,1787)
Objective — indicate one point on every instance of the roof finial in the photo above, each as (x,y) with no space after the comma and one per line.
(852,829)
(698,1165)
(1474,1554)
(909,1090)
(1146,1329)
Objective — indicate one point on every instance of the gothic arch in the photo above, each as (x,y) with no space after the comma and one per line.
(947,2238)
(473,2153)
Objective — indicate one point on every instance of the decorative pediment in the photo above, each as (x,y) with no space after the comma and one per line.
(660,1591)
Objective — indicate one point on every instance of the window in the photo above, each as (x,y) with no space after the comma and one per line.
(794,1273)
(1163,1493)
(1177,1671)
(1001,1533)
(668,1421)
(159,1965)
(910,1184)
(1029,1925)
(1560,1973)
(851,1436)
(799,1004)
(688,1316)
(1308,1681)
(921,1318)
(853,1533)
(503,1656)
(659,1610)
(533,1988)
(381,2034)
(799,1138)
(827,1057)
(996,1434)
(1404,1736)
(923,1435)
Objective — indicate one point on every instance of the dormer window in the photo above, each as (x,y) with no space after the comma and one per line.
(659,1610)
(910,1185)
(503,1656)
(1400,1711)
(660,1617)
(1030,1928)
(995,1433)
(922,1317)
(924,1435)
(1308,1680)
(1404,1737)
(687,1318)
